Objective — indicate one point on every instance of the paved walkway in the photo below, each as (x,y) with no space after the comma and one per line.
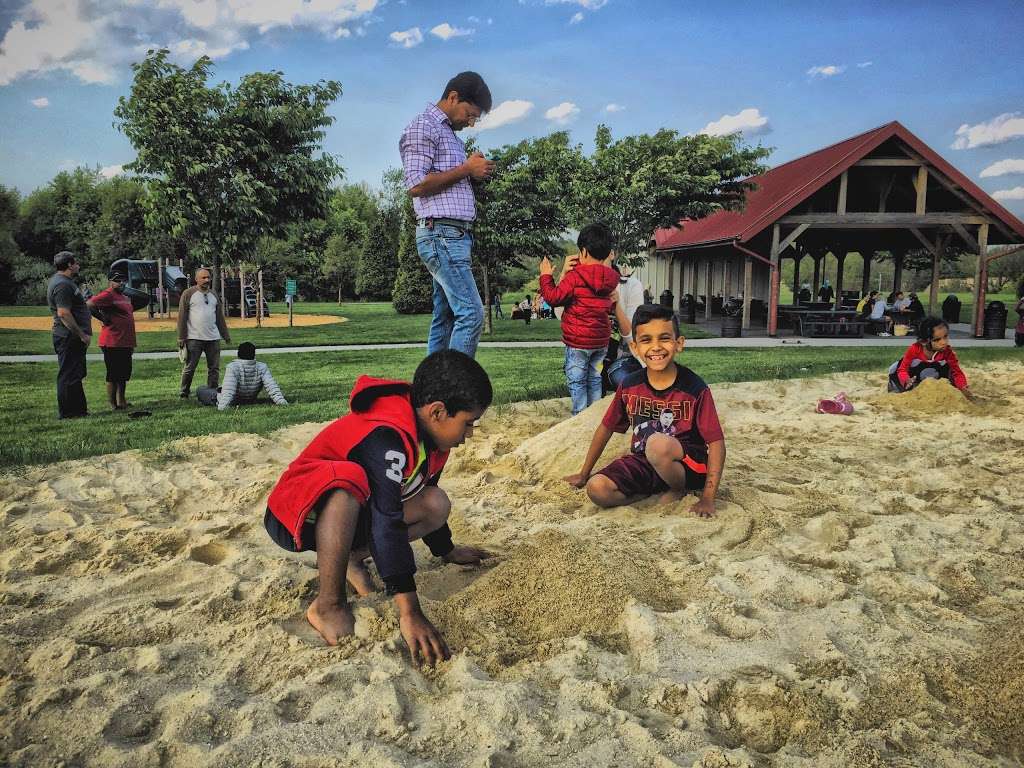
(960,334)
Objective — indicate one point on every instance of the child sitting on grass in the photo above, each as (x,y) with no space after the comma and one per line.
(677,443)
(930,357)
(367,486)
(585,291)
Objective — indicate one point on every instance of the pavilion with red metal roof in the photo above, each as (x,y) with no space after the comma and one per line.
(880,191)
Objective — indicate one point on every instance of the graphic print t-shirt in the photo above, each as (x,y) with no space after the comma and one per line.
(685,410)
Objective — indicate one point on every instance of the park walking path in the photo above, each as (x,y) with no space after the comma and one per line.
(960,335)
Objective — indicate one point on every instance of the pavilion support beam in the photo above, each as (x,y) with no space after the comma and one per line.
(865,279)
(707,290)
(921,186)
(748,288)
(844,181)
(796,275)
(792,237)
(897,270)
(980,279)
(888,162)
(933,293)
(881,220)
(840,263)
(817,273)
(961,230)
(773,291)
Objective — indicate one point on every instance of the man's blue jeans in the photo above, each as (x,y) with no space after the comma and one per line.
(584,376)
(458,311)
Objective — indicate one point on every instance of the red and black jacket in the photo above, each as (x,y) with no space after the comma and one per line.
(584,292)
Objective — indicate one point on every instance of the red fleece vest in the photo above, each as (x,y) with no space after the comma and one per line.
(324,464)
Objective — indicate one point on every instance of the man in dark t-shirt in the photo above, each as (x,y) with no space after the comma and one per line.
(72,332)
(676,440)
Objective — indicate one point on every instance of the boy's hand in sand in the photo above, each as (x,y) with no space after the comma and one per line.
(704,508)
(420,635)
(467,555)
(579,480)
(545,266)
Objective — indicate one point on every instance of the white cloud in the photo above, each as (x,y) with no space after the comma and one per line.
(827,70)
(576,17)
(42,102)
(97,40)
(750,121)
(1004,168)
(446,31)
(563,113)
(1006,126)
(505,113)
(590,5)
(110,171)
(408,38)
(614,108)
(1017,193)
(864,64)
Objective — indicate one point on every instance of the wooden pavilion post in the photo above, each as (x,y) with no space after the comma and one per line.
(818,258)
(980,278)
(748,287)
(840,263)
(707,290)
(933,291)
(773,291)
(797,258)
(897,271)
(865,280)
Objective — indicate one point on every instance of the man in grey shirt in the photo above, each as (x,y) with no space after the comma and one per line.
(72,332)
(201,326)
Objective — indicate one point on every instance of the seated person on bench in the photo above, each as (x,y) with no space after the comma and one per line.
(243,380)
(878,315)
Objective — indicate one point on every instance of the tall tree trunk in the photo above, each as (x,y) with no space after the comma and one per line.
(339,293)
(487,300)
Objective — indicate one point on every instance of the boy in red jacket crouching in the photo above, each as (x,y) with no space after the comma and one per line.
(586,293)
(930,357)
(367,486)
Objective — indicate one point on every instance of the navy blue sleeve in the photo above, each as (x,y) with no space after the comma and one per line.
(382,455)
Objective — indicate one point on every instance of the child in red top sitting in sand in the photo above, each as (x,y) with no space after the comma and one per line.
(367,485)
(677,442)
(930,357)
(586,293)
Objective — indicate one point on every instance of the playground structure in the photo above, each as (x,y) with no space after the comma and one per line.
(154,284)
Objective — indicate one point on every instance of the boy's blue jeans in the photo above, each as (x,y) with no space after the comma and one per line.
(458,311)
(584,376)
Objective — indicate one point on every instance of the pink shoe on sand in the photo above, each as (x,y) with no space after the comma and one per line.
(838,405)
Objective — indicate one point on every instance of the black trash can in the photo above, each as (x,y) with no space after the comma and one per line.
(666,298)
(732,318)
(688,309)
(951,309)
(995,321)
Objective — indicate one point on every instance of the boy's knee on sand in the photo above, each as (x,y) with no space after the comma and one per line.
(602,490)
(431,505)
(661,449)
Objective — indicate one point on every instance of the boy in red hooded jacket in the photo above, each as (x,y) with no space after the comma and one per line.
(367,486)
(586,293)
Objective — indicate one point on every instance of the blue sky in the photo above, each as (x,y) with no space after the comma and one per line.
(795,77)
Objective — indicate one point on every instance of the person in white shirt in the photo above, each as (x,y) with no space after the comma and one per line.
(243,380)
(201,326)
(631,296)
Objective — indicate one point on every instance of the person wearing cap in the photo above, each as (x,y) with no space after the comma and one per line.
(117,337)
(437,175)
(243,380)
(72,333)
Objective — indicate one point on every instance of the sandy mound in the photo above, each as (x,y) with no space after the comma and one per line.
(854,603)
(145,324)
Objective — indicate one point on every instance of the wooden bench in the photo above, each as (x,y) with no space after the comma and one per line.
(830,327)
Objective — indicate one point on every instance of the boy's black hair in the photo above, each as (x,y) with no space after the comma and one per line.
(647,312)
(927,327)
(63,260)
(453,378)
(597,239)
(470,87)
(246,351)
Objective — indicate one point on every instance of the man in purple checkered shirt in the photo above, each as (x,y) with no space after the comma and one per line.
(437,175)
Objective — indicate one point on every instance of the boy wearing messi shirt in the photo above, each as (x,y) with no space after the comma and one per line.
(676,439)
(366,486)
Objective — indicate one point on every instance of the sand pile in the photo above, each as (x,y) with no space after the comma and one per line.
(931,396)
(854,603)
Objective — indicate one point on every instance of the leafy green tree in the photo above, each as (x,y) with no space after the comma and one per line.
(375,277)
(522,210)
(341,255)
(414,287)
(61,216)
(10,256)
(642,183)
(226,166)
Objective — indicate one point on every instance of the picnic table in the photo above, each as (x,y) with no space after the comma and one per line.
(830,324)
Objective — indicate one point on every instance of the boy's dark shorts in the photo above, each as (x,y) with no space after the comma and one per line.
(633,475)
(283,537)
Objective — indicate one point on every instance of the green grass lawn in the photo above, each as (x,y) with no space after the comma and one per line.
(367,323)
(318,384)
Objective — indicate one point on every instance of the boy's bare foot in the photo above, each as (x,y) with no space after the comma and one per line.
(358,575)
(333,622)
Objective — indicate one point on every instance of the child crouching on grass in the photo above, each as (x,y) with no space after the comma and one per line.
(585,291)
(366,486)
(677,443)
